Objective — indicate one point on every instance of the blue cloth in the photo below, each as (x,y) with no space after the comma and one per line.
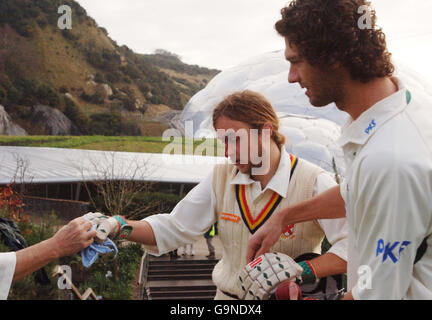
(91,253)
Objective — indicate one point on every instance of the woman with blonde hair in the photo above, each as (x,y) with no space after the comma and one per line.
(240,198)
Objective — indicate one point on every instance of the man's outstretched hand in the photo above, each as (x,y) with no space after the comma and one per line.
(327,205)
(265,237)
(107,226)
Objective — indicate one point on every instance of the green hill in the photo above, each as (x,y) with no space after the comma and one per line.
(107,143)
(84,73)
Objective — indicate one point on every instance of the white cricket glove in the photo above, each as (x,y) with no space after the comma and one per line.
(107,226)
(260,278)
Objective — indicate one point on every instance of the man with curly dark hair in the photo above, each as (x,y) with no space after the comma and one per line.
(387,143)
(330,55)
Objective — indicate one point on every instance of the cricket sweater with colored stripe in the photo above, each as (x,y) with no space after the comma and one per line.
(239,217)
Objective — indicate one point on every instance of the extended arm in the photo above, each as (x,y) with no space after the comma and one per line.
(70,239)
(142,233)
(328,264)
(161,233)
(327,205)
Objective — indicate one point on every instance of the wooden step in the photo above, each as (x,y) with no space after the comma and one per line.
(182,293)
(182,262)
(182,267)
(182,285)
(171,276)
(183,278)
(179,271)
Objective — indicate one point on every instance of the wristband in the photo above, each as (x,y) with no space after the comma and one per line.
(124,229)
(308,275)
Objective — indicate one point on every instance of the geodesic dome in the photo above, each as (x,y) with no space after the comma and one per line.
(311,132)
(313,139)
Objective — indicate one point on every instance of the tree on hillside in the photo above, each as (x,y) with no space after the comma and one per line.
(164,52)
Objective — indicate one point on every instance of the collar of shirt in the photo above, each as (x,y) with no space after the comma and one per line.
(278,183)
(369,122)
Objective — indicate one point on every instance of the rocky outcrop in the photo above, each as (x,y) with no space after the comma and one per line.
(70,97)
(139,106)
(172,119)
(104,91)
(52,121)
(7,126)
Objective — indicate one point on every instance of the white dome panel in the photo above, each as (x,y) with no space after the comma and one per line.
(294,136)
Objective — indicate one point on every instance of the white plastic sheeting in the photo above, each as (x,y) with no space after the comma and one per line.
(47,165)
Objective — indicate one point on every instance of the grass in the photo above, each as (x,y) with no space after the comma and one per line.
(118,143)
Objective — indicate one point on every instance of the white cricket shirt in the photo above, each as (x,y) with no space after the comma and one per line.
(7,269)
(388,197)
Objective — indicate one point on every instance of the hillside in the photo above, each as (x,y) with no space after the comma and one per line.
(124,144)
(101,87)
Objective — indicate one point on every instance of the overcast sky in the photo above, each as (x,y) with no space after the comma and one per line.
(220,34)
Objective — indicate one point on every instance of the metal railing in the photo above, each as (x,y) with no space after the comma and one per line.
(142,278)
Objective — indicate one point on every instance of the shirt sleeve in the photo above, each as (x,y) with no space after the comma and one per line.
(336,230)
(188,221)
(393,214)
(7,269)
